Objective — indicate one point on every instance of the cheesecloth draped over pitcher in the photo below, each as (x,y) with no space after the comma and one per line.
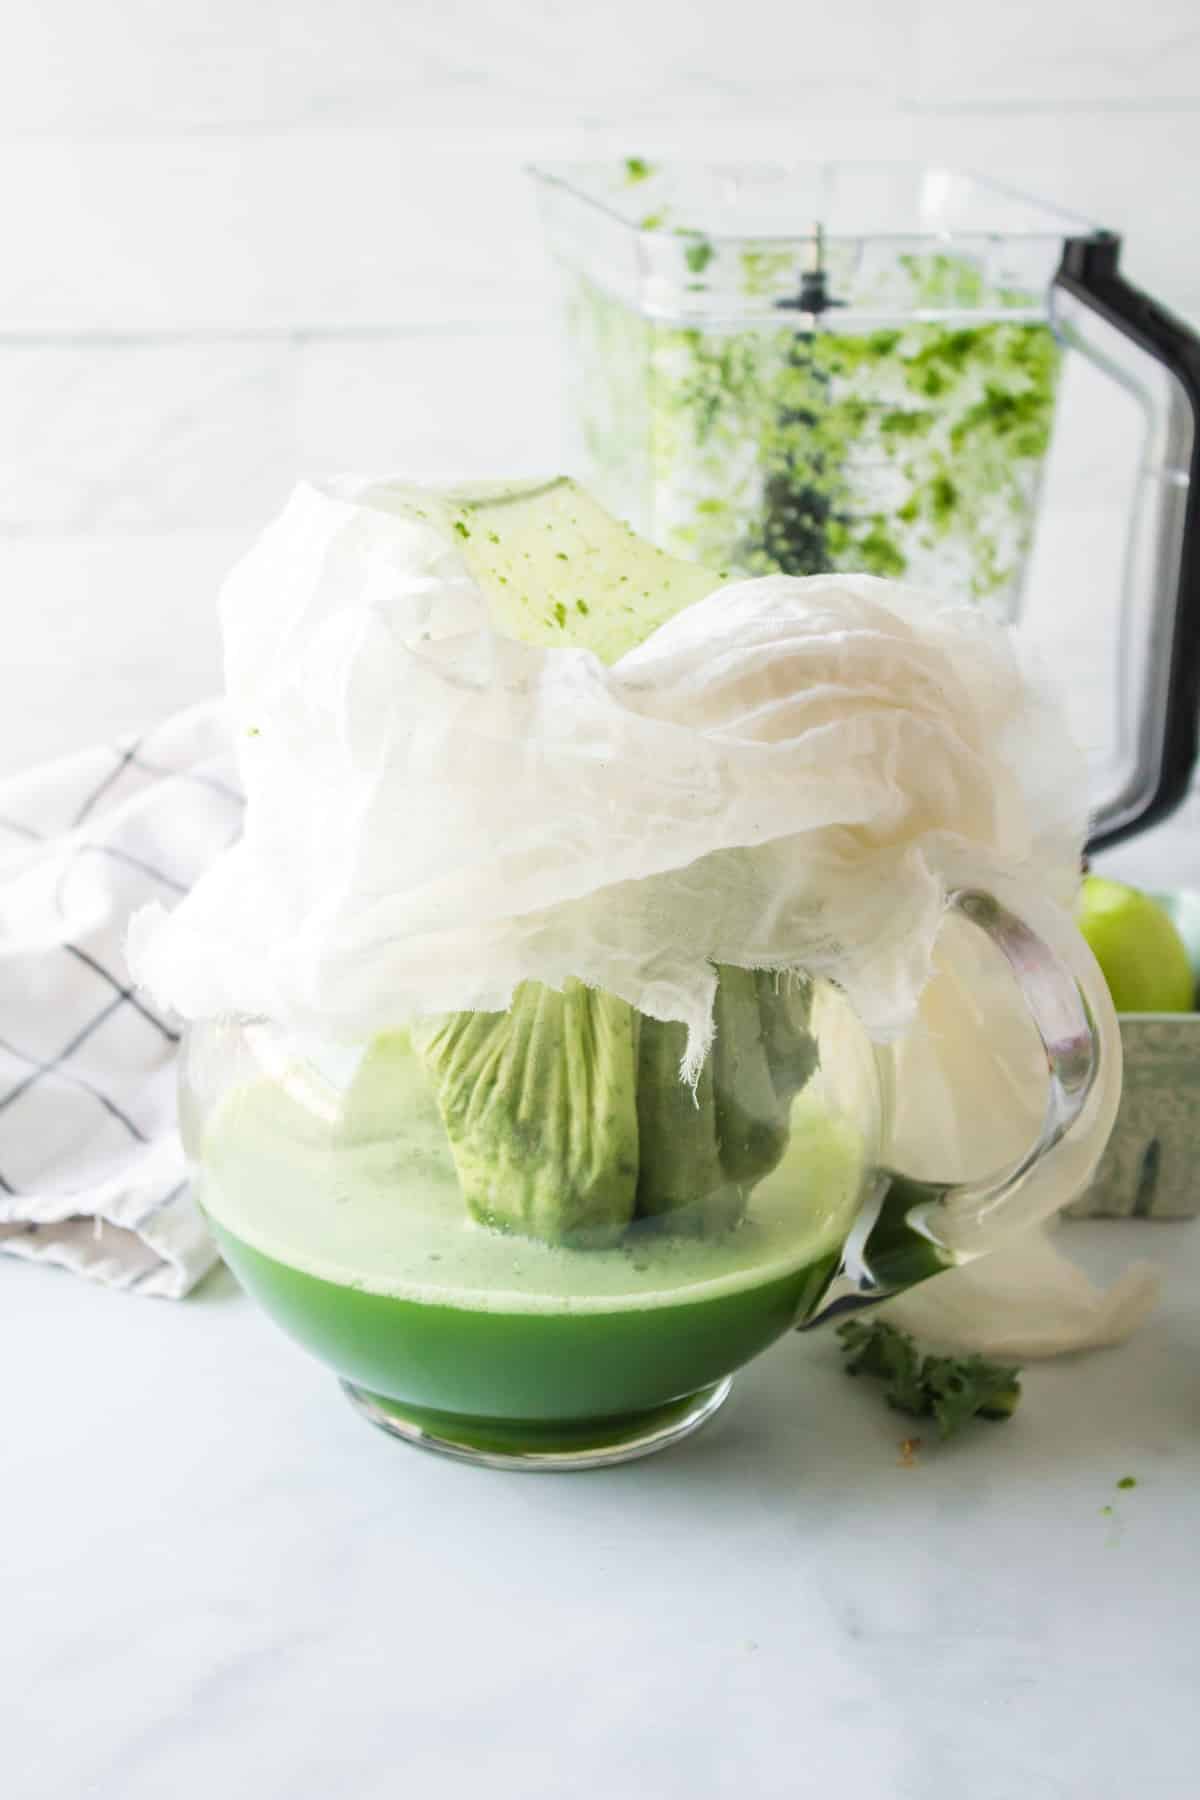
(787,774)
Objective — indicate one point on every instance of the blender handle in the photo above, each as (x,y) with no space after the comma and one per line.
(909,1229)
(1089,272)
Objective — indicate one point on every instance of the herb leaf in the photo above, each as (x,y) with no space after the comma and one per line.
(950,1389)
(698,255)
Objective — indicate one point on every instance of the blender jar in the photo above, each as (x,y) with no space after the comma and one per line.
(861,367)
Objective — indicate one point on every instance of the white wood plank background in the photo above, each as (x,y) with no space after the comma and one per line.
(244,240)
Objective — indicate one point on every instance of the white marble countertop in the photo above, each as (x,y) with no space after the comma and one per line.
(220,1581)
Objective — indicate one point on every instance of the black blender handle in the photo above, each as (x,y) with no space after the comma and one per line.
(1089,272)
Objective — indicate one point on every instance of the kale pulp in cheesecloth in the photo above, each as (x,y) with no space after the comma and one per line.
(568,1119)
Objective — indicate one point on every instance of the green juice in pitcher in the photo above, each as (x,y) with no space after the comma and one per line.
(341,1209)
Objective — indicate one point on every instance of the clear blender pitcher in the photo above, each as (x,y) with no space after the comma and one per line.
(889,368)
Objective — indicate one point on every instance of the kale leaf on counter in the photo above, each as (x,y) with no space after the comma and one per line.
(950,1389)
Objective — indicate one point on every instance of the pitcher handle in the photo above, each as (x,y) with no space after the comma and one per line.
(909,1229)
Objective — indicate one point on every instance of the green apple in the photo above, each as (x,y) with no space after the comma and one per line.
(1141,954)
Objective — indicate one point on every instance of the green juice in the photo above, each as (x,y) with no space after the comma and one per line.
(336,1202)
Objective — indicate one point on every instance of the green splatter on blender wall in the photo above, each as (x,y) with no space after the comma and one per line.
(806,446)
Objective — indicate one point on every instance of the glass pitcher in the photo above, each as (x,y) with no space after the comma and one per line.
(520,1239)
(890,369)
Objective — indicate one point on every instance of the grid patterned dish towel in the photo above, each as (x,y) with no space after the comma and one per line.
(91,1171)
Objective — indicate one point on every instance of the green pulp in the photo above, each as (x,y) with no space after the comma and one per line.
(908,451)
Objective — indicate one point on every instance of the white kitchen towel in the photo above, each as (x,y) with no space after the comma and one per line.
(91,1171)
